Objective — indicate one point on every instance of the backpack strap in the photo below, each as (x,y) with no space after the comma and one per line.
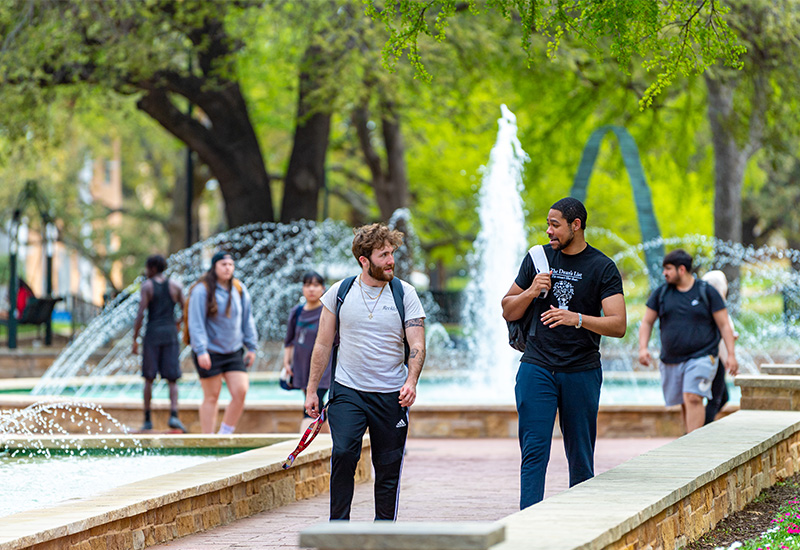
(661,293)
(344,288)
(703,290)
(530,314)
(187,338)
(398,293)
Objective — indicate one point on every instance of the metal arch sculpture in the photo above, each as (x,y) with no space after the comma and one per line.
(30,193)
(641,191)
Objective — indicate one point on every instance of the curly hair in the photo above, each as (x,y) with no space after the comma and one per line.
(371,237)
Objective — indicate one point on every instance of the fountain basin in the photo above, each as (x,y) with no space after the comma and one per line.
(631,405)
(434,420)
(87,465)
(438,387)
(166,507)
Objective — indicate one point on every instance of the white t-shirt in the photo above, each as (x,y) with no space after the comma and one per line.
(371,351)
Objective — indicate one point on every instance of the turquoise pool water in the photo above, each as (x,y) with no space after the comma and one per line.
(32,480)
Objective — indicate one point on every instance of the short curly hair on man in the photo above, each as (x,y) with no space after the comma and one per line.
(371,237)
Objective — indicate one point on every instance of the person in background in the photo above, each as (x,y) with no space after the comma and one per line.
(223,339)
(693,318)
(160,348)
(301,333)
(719,390)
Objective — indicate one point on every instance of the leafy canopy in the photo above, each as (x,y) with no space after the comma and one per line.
(672,38)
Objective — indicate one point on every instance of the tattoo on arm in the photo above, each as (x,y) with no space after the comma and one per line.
(414,353)
(415,323)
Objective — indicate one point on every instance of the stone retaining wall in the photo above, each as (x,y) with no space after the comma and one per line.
(163,508)
(778,392)
(25,363)
(670,496)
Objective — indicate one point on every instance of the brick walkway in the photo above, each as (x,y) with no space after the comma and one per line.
(443,480)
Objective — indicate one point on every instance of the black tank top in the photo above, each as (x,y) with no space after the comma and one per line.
(161,327)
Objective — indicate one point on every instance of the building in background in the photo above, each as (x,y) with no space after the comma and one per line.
(74,276)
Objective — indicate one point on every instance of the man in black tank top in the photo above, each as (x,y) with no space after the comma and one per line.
(159,296)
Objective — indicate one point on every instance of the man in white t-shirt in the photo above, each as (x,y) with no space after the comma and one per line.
(372,384)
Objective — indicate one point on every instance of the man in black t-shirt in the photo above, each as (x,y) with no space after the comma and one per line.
(692,316)
(560,368)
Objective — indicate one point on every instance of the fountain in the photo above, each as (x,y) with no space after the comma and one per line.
(500,246)
(271,257)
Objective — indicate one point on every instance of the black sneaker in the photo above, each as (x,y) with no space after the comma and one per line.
(176,424)
(147,425)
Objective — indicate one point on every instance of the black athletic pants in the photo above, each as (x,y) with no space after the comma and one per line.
(350,414)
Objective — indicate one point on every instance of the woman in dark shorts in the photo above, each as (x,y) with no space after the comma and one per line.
(223,339)
(301,332)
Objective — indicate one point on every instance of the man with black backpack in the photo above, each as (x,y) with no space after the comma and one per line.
(692,317)
(575,301)
(381,349)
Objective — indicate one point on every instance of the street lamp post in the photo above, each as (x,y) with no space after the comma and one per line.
(12,283)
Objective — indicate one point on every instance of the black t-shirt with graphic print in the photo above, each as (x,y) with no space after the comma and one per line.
(580,283)
(688,329)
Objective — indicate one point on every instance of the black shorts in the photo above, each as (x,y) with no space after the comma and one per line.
(221,363)
(161,359)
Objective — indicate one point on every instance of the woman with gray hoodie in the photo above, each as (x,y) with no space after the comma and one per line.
(223,339)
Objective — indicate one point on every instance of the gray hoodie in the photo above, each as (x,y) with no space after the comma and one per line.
(221,334)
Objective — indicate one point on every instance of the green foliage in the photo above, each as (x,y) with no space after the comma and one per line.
(675,38)
(602,55)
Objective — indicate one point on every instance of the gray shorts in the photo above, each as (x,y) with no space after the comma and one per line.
(692,376)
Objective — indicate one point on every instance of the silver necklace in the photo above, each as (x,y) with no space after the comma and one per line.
(363,297)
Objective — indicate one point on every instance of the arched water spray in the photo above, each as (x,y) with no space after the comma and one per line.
(498,250)
(60,419)
(270,259)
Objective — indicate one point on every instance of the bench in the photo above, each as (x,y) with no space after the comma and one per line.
(38,312)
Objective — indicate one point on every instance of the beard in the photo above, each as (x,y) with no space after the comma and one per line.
(562,246)
(379,274)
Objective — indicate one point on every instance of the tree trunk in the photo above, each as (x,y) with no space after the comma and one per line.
(730,161)
(228,145)
(392,192)
(391,183)
(305,175)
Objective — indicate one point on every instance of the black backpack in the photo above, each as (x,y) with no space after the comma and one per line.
(518,330)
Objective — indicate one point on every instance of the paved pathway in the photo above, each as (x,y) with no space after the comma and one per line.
(443,480)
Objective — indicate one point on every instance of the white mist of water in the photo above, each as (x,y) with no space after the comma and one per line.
(498,251)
